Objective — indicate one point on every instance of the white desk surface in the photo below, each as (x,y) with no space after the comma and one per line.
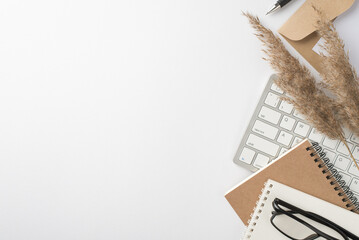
(120,119)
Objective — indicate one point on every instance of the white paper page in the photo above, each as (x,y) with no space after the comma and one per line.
(260,226)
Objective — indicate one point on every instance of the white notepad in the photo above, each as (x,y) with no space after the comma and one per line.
(260,227)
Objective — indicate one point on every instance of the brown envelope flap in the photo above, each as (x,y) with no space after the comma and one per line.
(302,22)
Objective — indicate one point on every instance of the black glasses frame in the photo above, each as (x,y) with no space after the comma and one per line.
(278,205)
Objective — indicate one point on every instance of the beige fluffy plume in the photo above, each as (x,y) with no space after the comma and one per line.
(339,75)
(322,112)
(296,80)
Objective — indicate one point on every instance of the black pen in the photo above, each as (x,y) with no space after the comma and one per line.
(279,4)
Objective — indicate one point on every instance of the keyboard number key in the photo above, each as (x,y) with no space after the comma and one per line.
(272,100)
(287,123)
(261,161)
(302,129)
(284,138)
(247,155)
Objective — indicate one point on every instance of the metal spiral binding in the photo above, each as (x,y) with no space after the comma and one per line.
(255,215)
(334,175)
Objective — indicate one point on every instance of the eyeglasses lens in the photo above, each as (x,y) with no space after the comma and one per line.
(297,230)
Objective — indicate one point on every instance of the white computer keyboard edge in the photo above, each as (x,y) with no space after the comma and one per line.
(276,126)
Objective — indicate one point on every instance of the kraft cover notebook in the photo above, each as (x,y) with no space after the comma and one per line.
(260,226)
(300,168)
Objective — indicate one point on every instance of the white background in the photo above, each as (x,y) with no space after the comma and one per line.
(120,119)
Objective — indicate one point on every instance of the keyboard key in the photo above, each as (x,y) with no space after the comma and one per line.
(298,115)
(296,141)
(342,163)
(263,145)
(315,136)
(346,178)
(343,149)
(355,139)
(247,155)
(265,129)
(284,138)
(329,154)
(287,123)
(269,115)
(261,161)
(330,143)
(286,107)
(356,152)
(275,88)
(354,185)
(282,151)
(353,169)
(347,133)
(272,100)
(302,129)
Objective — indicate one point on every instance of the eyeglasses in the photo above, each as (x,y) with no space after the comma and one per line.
(297,224)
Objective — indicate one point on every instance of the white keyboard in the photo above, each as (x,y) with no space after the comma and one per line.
(276,126)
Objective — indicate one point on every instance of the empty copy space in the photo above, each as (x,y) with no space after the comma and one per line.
(120,119)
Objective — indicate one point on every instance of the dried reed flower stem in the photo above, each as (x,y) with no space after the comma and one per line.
(339,75)
(297,81)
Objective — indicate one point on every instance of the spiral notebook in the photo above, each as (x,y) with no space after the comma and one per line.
(300,168)
(260,226)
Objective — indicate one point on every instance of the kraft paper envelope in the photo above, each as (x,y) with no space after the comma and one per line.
(300,29)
